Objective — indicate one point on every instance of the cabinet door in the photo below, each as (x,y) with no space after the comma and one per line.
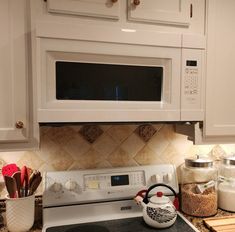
(95,8)
(220,94)
(176,12)
(13,74)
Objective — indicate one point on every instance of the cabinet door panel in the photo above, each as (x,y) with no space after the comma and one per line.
(12,70)
(95,8)
(220,94)
(175,12)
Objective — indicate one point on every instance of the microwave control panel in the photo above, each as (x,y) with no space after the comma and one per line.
(191,78)
(192,84)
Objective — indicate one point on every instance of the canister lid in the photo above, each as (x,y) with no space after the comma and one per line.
(229,160)
(198,162)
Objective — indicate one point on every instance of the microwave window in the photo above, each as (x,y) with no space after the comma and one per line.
(91,81)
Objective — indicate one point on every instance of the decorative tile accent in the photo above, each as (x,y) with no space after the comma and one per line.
(91,132)
(145,132)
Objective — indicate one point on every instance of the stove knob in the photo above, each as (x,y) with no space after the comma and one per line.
(167,177)
(71,185)
(156,178)
(56,187)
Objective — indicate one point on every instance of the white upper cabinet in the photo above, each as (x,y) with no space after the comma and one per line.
(220,94)
(13,71)
(15,118)
(177,12)
(94,8)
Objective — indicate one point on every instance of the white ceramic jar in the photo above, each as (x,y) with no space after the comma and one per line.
(226,186)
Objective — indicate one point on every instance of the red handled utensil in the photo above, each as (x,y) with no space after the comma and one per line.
(25,180)
(9,169)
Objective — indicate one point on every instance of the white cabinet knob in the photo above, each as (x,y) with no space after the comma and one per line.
(56,187)
(71,185)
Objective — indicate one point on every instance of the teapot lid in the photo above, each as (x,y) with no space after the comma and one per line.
(159,198)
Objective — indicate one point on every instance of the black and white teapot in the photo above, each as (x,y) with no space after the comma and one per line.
(158,211)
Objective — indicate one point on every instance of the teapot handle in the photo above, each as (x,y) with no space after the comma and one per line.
(176,201)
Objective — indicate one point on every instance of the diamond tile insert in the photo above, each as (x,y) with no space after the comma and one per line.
(91,132)
(145,132)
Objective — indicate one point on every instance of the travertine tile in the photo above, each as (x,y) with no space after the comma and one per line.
(104,145)
(159,142)
(146,156)
(120,132)
(180,143)
(61,134)
(60,160)
(90,159)
(11,157)
(171,156)
(121,158)
(47,147)
(217,153)
(77,146)
(132,145)
(31,160)
(228,148)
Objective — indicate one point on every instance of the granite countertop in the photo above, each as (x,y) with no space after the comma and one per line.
(198,221)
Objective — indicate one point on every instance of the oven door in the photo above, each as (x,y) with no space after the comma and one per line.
(87,81)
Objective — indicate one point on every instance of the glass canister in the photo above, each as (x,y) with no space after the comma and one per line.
(226,185)
(198,187)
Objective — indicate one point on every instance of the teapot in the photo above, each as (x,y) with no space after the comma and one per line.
(158,211)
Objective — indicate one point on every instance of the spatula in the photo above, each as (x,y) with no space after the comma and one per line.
(9,169)
(34,185)
(17,177)
(11,186)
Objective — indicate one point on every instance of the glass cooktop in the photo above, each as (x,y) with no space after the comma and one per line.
(121,225)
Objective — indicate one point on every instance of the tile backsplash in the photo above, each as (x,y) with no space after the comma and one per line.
(103,146)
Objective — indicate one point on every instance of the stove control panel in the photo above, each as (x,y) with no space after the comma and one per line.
(108,180)
(83,186)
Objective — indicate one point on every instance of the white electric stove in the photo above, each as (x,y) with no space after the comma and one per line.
(101,200)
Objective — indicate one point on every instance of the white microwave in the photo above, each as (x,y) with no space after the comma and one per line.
(81,80)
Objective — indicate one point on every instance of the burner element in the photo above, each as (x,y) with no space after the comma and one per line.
(88,228)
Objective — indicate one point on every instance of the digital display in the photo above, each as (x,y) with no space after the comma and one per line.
(191,63)
(119,180)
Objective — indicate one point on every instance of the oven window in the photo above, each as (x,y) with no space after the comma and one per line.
(91,81)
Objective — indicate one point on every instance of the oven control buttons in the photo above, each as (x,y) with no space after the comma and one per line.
(167,178)
(71,185)
(56,187)
(156,178)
